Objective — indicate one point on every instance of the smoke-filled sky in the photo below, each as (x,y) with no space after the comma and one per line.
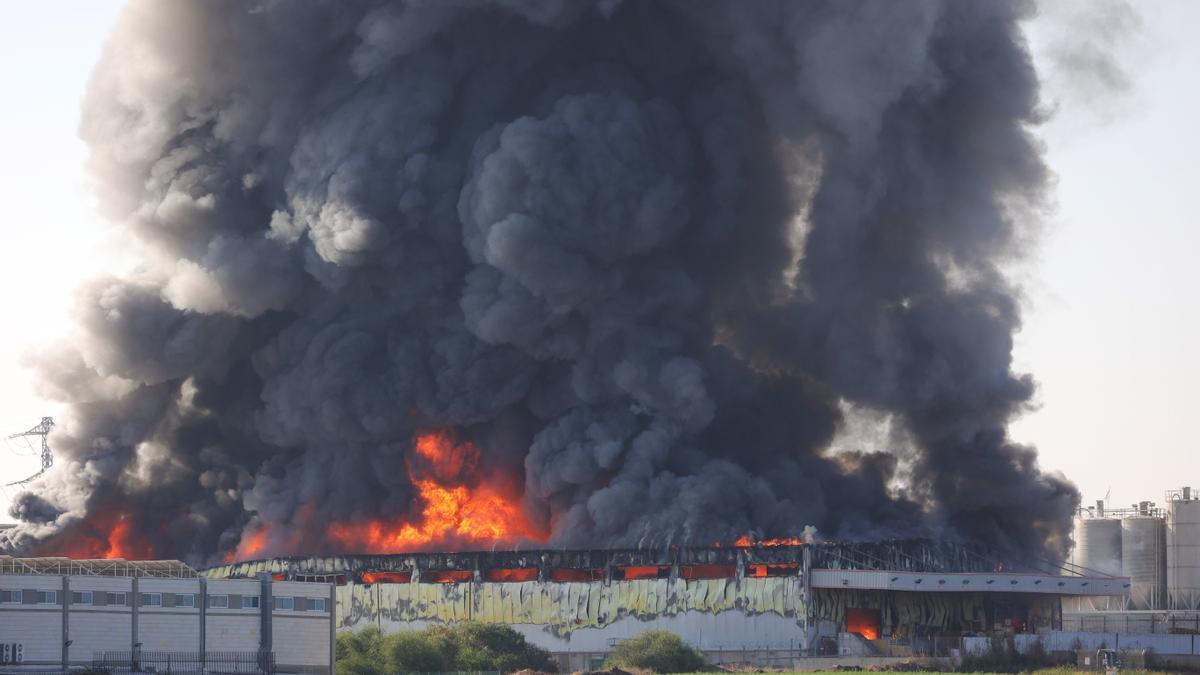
(1107,325)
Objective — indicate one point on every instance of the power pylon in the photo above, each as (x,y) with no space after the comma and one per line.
(42,429)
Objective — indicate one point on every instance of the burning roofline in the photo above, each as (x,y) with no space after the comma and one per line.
(916,555)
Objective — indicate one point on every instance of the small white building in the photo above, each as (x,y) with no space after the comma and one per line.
(62,613)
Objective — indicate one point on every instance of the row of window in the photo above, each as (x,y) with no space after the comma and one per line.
(312,604)
(120,599)
(18,597)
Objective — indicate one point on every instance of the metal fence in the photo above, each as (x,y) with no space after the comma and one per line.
(1179,623)
(185,663)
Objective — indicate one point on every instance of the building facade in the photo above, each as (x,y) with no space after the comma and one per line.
(764,605)
(63,613)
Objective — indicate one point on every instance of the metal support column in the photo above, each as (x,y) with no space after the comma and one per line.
(265,636)
(332,628)
(66,624)
(810,635)
(135,602)
(203,601)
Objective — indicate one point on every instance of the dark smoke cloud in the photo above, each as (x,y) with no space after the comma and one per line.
(643,254)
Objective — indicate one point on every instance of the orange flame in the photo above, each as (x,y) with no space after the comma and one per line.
(251,545)
(105,534)
(386,577)
(454,511)
(514,574)
(745,542)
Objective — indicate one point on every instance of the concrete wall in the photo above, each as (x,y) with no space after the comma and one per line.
(99,626)
(303,637)
(36,626)
(1163,644)
(234,629)
(167,627)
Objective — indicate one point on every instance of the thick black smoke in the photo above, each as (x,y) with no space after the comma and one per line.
(644,254)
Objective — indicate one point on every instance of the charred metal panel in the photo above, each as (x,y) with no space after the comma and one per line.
(907,614)
(917,556)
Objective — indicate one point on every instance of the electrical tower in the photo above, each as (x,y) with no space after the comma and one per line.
(43,430)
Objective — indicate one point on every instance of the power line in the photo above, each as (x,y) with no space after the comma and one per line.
(42,429)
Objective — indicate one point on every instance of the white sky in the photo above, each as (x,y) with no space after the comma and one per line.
(1111,330)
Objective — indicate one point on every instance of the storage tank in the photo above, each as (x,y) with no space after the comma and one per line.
(1144,560)
(1098,545)
(1183,549)
(1098,551)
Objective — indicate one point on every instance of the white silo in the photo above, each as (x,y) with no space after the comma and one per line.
(1183,549)
(1144,559)
(1097,551)
(1098,545)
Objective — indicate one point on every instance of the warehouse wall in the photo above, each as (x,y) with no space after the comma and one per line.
(302,636)
(710,613)
(900,611)
(100,626)
(36,626)
(238,627)
(169,627)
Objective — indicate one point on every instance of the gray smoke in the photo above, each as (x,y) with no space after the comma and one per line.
(641,254)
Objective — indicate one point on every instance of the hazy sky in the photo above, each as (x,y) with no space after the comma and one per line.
(1111,332)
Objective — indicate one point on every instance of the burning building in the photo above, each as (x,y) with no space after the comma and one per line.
(545,274)
(763,604)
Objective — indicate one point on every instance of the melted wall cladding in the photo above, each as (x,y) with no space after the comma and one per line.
(901,612)
(565,607)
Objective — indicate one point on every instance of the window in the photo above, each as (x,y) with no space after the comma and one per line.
(316,604)
(47,597)
(151,599)
(250,602)
(81,597)
(117,599)
(11,597)
(185,600)
(280,603)
(218,601)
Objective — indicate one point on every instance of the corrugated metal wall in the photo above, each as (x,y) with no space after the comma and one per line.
(566,607)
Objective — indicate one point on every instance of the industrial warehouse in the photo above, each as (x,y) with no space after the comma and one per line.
(160,616)
(750,604)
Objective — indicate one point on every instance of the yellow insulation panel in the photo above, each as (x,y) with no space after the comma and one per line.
(565,607)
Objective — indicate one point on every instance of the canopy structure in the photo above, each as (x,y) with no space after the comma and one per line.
(117,567)
(969,582)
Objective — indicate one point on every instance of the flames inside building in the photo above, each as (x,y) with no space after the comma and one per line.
(734,603)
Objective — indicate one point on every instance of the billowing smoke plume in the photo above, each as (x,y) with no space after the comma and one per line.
(632,262)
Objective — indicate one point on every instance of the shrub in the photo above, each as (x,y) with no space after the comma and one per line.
(360,653)
(462,647)
(499,647)
(414,653)
(657,650)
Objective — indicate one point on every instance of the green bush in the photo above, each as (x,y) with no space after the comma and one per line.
(657,650)
(414,653)
(360,653)
(462,647)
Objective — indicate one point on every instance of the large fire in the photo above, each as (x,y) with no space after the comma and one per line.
(458,508)
(108,534)
(744,541)
(251,546)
